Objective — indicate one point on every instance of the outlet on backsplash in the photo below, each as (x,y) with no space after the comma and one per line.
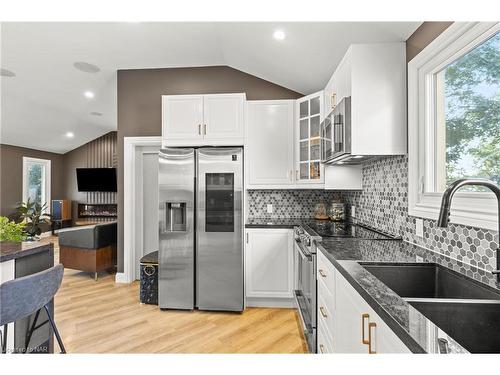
(269,208)
(353,211)
(419,228)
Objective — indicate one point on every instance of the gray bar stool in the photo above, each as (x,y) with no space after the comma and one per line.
(26,295)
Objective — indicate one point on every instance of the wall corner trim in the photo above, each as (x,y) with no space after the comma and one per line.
(121,278)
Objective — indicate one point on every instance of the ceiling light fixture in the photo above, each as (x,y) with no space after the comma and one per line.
(86,67)
(7,73)
(96,113)
(88,94)
(279,35)
(70,135)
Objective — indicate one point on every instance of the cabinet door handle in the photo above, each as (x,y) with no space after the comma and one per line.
(322,273)
(247,237)
(370,337)
(296,174)
(199,129)
(291,175)
(321,348)
(363,340)
(322,311)
(205,129)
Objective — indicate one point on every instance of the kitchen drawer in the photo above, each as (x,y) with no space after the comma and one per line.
(326,294)
(326,310)
(325,339)
(326,271)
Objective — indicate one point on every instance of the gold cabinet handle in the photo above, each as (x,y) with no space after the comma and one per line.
(321,348)
(297,174)
(199,129)
(333,102)
(363,340)
(322,273)
(205,129)
(322,311)
(370,326)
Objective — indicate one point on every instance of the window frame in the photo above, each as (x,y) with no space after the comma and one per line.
(469,208)
(48,176)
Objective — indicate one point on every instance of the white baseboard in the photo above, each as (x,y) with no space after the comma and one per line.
(121,278)
(270,302)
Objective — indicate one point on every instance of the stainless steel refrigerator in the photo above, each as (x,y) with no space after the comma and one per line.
(201,228)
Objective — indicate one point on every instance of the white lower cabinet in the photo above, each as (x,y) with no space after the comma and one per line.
(269,267)
(346,323)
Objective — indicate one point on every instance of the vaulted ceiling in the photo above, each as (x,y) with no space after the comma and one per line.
(44,100)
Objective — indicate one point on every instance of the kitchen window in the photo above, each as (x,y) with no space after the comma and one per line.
(453,118)
(36,181)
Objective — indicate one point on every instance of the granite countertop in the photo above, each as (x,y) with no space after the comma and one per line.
(14,250)
(411,326)
(263,222)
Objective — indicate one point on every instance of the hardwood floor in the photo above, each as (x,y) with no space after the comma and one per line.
(104,317)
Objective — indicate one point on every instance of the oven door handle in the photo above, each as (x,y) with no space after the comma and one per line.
(306,255)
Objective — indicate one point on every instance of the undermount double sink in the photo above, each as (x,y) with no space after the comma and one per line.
(466,309)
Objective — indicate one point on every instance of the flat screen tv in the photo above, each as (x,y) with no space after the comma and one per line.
(96,179)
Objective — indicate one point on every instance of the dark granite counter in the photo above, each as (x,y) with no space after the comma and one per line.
(15,250)
(287,223)
(411,326)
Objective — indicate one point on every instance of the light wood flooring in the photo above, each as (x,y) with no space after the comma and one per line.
(104,317)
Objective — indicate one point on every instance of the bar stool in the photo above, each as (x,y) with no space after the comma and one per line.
(30,294)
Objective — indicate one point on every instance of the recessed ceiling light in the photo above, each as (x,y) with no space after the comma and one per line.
(279,35)
(88,94)
(86,67)
(96,113)
(7,73)
(70,135)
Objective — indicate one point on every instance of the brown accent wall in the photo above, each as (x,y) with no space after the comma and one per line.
(425,34)
(99,153)
(11,175)
(139,104)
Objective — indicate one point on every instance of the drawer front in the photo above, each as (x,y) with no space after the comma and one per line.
(326,309)
(325,339)
(325,272)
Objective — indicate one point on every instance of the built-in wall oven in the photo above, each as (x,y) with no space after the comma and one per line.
(305,285)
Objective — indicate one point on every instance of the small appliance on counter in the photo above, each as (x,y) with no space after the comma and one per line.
(149,279)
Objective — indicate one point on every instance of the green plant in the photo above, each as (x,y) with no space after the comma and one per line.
(11,231)
(33,214)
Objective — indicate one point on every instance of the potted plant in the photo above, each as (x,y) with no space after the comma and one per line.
(11,231)
(33,214)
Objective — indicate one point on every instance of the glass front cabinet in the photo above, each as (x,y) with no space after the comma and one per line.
(309,169)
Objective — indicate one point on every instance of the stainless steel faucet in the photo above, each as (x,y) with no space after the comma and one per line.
(444,212)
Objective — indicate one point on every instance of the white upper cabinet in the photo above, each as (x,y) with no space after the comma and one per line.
(309,114)
(223,116)
(182,117)
(374,76)
(269,144)
(196,120)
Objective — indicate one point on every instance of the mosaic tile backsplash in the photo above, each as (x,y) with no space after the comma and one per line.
(383,204)
(287,203)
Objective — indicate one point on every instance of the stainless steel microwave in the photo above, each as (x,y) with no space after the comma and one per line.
(336,136)
(336,133)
